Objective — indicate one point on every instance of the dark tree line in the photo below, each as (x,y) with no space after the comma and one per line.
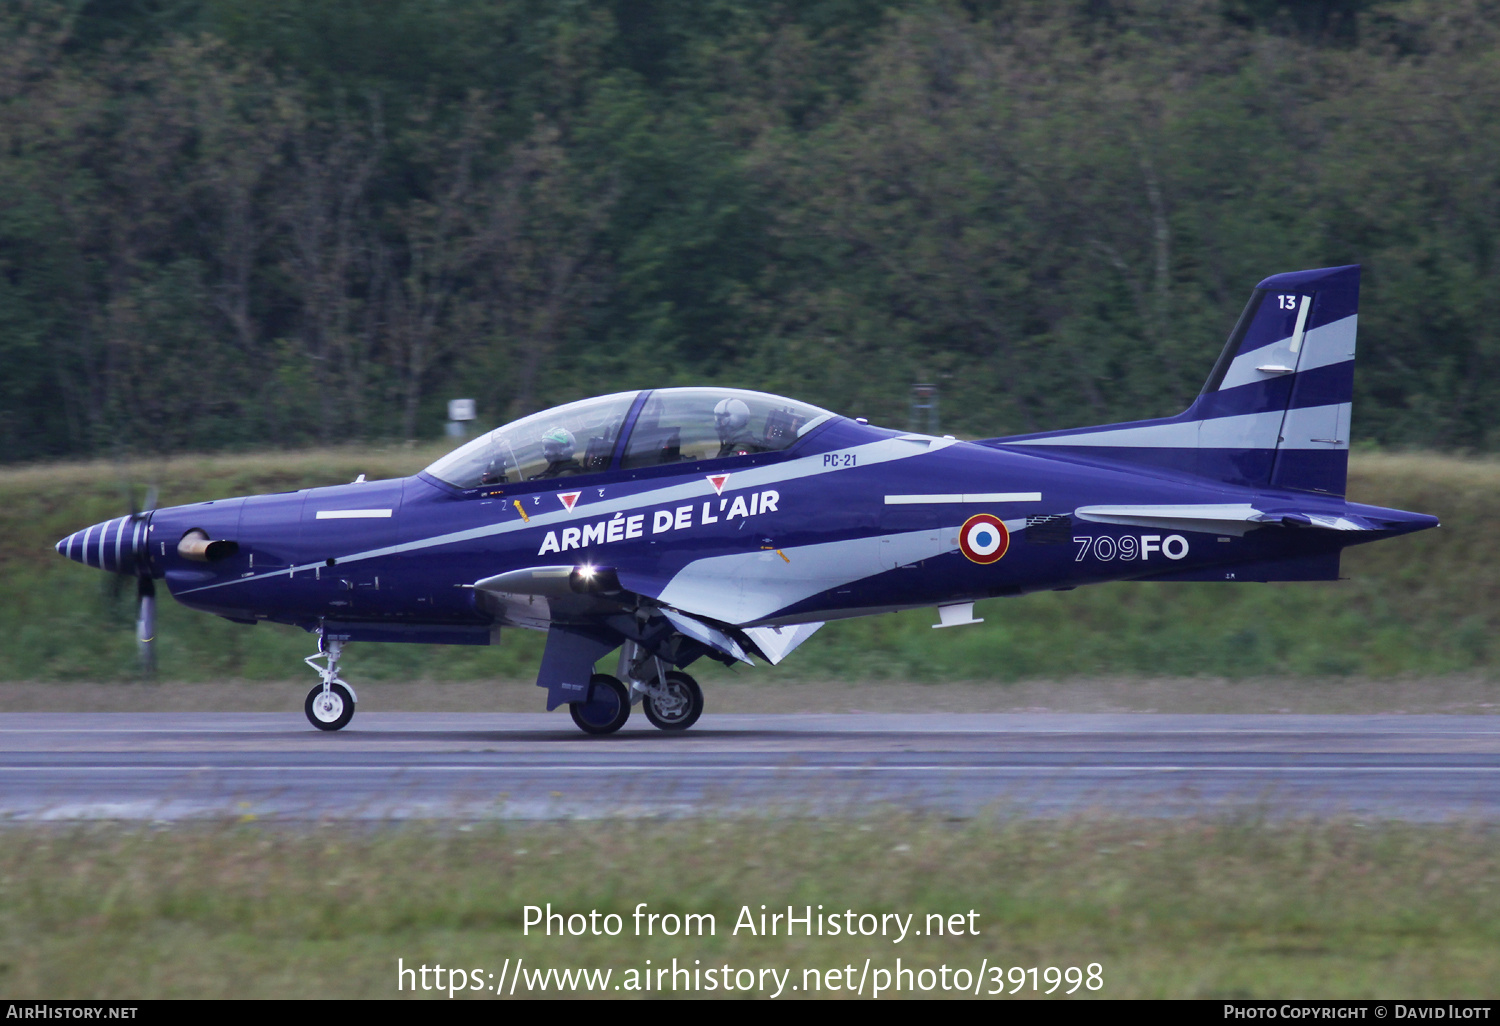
(235,223)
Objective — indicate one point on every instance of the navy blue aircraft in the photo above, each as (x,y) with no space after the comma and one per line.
(677,523)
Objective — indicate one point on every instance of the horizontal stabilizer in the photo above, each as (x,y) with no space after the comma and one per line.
(1208,518)
(1327,521)
(1219,518)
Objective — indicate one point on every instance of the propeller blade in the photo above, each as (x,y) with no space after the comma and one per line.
(150,503)
(145,623)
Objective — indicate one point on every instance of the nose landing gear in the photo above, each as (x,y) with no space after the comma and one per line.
(329,705)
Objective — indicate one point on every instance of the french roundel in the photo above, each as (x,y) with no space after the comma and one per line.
(983,538)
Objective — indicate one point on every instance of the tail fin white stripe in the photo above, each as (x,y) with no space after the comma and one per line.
(1301,327)
(1317,427)
(1305,429)
(1325,346)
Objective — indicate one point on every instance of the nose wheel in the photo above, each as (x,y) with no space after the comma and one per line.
(329,705)
(329,708)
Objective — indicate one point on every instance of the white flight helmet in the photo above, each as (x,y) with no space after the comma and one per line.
(731,415)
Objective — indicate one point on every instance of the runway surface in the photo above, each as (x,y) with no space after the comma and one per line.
(390,766)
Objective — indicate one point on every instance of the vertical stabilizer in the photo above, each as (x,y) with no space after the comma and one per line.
(1275,410)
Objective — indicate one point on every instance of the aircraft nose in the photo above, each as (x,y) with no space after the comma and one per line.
(110,546)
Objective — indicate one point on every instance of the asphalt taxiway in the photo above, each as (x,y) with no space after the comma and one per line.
(393,766)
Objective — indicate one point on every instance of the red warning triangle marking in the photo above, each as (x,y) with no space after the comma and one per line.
(568,498)
(718,481)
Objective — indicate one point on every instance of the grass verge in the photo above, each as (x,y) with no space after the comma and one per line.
(1180,908)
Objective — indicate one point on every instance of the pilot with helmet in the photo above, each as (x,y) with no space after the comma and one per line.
(732,418)
(558,447)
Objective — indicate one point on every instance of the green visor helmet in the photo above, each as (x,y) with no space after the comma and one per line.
(557,444)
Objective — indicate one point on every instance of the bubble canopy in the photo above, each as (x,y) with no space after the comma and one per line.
(674,425)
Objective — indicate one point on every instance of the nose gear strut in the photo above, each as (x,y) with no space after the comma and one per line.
(329,705)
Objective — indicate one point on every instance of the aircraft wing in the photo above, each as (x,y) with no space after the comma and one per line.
(569,584)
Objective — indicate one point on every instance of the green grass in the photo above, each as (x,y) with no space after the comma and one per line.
(1193,908)
(1427,604)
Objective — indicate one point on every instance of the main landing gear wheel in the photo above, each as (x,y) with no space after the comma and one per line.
(607,708)
(676,704)
(331,709)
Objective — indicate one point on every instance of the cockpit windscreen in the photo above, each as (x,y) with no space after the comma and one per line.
(682,424)
(675,425)
(578,438)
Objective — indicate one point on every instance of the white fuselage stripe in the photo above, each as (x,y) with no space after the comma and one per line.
(1246,431)
(352,514)
(905,500)
(750,767)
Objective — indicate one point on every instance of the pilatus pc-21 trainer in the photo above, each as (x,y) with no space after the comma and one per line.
(677,523)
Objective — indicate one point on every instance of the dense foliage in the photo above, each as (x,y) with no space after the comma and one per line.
(234,223)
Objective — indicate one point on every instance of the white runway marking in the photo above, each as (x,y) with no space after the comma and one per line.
(607,768)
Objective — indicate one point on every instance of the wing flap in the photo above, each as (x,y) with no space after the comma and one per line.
(707,634)
(776,643)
